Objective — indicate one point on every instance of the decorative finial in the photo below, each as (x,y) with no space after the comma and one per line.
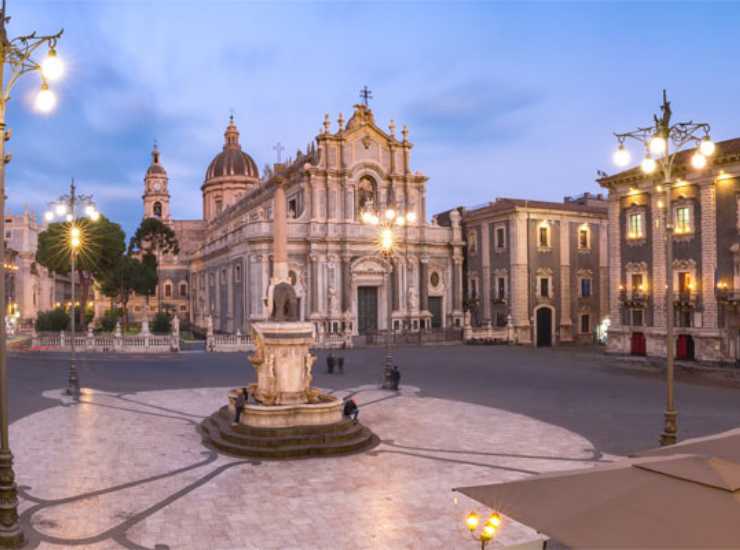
(366,95)
(231,115)
(327,123)
(155,152)
(278,148)
(405,133)
(340,121)
(392,128)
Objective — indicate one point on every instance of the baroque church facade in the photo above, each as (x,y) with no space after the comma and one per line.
(344,285)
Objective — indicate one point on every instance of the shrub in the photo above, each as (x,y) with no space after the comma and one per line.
(54,320)
(161,323)
(109,320)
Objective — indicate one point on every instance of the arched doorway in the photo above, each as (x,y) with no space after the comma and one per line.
(544,327)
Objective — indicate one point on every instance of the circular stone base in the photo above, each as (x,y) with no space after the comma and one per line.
(340,438)
(328,410)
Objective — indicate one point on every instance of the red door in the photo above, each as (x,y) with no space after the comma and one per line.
(638,346)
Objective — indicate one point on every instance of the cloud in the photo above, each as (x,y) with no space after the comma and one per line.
(474,111)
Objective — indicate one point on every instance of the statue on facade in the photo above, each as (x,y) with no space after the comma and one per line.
(333,306)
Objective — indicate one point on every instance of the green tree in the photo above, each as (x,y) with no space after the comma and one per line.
(129,276)
(153,239)
(102,244)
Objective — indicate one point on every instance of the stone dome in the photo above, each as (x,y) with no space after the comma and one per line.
(232,161)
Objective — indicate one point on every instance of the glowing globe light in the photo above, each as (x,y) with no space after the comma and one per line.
(69,217)
(648,165)
(411,217)
(89,209)
(386,239)
(658,145)
(49,216)
(95,216)
(367,217)
(390,214)
(45,99)
(60,209)
(400,220)
(698,161)
(471,521)
(621,156)
(707,147)
(52,67)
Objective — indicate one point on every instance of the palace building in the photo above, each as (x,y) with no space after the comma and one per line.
(344,286)
(539,268)
(706,259)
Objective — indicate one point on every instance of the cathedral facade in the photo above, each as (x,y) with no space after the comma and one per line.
(343,284)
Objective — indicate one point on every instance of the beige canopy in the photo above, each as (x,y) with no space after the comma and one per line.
(679,501)
(722,445)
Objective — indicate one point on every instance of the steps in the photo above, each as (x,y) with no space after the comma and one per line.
(342,438)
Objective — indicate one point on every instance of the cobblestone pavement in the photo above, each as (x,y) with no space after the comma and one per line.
(128,470)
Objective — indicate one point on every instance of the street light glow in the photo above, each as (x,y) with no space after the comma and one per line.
(45,99)
(698,161)
(95,216)
(707,147)
(658,145)
(390,214)
(52,67)
(411,217)
(621,156)
(648,165)
(49,216)
(386,240)
(471,521)
(60,209)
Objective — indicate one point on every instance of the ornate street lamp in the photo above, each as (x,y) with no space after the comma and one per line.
(661,142)
(16,55)
(483,532)
(71,209)
(387,222)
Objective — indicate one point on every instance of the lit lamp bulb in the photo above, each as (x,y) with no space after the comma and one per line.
(487,532)
(52,67)
(411,217)
(495,519)
(657,145)
(707,147)
(648,165)
(400,220)
(95,215)
(49,216)
(390,214)
(45,100)
(367,217)
(698,161)
(471,521)
(374,220)
(621,156)
(69,217)
(60,209)
(89,209)
(386,239)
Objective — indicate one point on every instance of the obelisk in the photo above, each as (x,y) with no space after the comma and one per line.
(280,234)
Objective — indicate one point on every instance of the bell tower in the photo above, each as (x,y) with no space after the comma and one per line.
(156,196)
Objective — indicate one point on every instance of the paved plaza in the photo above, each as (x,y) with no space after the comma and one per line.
(125,467)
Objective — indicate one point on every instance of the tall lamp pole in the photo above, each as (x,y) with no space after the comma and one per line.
(73,208)
(661,142)
(387,222)
(16,55)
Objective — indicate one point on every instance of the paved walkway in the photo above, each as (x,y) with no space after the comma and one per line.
(129,471)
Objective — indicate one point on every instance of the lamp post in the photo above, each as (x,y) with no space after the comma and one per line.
(661,142)
(16,55)
(387,222)
(72,208)
(487,529)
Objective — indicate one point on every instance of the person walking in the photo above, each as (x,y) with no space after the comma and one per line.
(239,402)
(351,410)
(395,377)
(330,363)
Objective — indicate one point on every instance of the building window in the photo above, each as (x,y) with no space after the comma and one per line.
(183,290)
(637,282)
(434,279)
(637,317)
(219,206)
(585,324)
(683,220)
(168,290)
(544,236)
(585,287)
(473,242)
(544,287)
(501,288)
(636,225)
(501,319)
(685,283)
(500,238)
(157,209)
(584,237)
(237,273)
(183,308)
(211,279)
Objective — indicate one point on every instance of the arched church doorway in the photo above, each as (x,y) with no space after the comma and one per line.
(367,309)
(544,327)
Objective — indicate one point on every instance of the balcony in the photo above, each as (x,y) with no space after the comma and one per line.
(685,298)
(634,298)
(727,295)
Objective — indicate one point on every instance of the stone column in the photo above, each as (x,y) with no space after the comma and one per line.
(314,259)
(614,260)
(603,270)
(349,202)
(346,283)
(315,199)
(485,284)
(519,281)
(708,228)
(659,263)
(566,298)
(457,287)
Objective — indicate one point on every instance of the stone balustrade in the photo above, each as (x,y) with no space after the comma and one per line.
(106,342)
(229,342)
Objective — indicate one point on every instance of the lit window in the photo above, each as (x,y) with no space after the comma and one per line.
(637,283)
(584,238)
(168,290)
(635,226)
(473,242)
(683,219)
(685,283)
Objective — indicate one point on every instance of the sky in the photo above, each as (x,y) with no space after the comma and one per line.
(501,99)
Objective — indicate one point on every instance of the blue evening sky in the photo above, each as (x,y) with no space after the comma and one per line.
(501,99)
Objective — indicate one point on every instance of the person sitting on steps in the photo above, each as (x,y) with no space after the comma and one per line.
(239,402)
(351,409)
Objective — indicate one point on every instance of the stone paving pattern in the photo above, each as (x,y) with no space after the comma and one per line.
(129,471)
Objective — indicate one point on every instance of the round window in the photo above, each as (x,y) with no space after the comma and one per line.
(435,279)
